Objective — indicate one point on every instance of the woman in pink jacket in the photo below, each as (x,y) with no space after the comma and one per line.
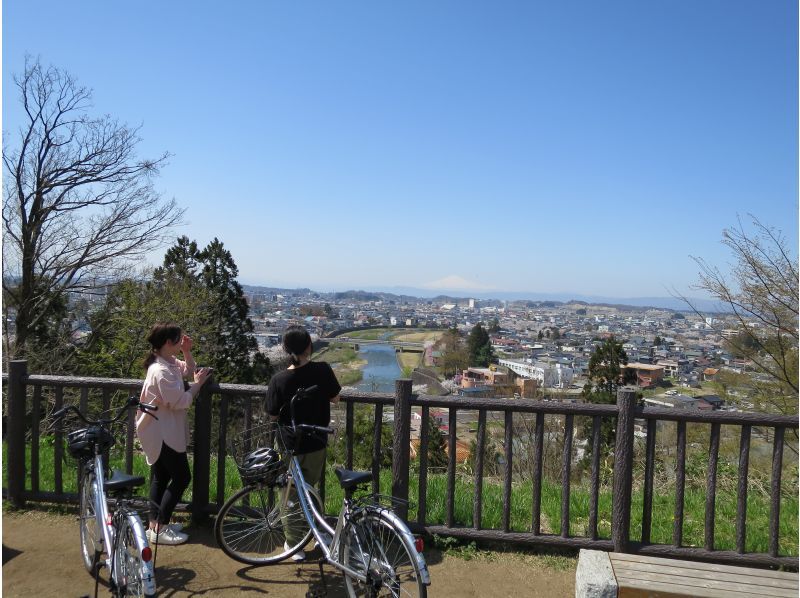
(164,440)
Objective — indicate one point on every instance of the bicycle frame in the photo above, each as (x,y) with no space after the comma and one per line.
(101,512)
(109,525)
(315,519)
(330,546)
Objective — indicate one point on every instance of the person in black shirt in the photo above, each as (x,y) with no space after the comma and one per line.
(314,409)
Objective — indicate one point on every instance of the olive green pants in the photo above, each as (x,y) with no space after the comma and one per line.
(294,523)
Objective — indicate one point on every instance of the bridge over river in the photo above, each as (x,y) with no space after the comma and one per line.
(410,345)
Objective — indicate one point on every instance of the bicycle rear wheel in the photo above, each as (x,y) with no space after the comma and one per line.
(133,569)
(372,546)
(91,535)
(250,525)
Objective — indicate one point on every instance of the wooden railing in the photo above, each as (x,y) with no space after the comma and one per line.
(221,403)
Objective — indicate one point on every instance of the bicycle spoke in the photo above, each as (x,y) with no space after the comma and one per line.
(250,527)
(374,547)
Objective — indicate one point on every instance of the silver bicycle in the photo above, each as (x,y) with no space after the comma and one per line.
(370,544)
(109,524)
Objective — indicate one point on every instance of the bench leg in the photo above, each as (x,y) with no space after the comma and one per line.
(594,577)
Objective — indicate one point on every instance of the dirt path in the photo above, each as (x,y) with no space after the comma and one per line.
(40,558)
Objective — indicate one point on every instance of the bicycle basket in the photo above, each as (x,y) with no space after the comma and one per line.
(257,453)
(81,443)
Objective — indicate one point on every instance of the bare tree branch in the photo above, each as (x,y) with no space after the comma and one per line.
(78,205)
(761,293)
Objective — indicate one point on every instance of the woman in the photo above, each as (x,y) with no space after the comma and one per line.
(164,439)
(314,409)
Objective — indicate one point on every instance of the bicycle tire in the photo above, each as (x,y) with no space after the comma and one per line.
(372,545)
(91,536)
(250,529)
(135,577)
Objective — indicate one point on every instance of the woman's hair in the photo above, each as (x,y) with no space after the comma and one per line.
(159,335)
(296,340)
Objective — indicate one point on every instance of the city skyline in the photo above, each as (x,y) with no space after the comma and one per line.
(554,149)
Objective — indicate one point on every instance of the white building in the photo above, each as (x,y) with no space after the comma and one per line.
(549,375)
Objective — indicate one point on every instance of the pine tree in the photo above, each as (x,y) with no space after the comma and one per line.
(231,347)
(479,346)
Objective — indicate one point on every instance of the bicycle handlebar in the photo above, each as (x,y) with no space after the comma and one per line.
(133,401)
(320,429)
(299,395)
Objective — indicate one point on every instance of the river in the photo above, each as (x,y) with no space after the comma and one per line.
(381,370)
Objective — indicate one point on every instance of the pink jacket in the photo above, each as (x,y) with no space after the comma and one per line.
(163,386)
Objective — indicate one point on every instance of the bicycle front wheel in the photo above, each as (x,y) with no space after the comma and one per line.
(132,566)
(91,535)
(250,526)
(372,545)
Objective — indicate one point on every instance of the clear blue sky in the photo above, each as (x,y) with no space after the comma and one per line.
(585,147)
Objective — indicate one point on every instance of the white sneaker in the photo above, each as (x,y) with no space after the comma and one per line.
(298,556)
(168,537)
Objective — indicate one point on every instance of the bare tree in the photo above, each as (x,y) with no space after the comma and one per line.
(761,292)
(78,205)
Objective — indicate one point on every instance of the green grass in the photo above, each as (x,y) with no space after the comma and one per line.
(348,377)
(369,335)
(758,507)
(337,353)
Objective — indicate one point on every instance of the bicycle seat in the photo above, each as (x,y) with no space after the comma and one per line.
(350,479)
(122,481)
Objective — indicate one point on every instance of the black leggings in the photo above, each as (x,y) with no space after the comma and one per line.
(169,477)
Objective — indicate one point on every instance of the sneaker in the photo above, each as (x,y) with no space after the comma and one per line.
(298,556)
(168,537)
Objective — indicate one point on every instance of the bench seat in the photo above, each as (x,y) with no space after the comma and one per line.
(616,575)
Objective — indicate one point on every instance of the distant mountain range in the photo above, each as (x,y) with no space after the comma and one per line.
(408,294)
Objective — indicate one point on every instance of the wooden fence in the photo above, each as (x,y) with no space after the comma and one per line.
(27,407)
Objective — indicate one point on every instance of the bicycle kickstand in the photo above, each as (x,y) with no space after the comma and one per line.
(97,573)
(324,591)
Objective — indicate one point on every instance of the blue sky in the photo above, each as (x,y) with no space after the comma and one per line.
(552,147)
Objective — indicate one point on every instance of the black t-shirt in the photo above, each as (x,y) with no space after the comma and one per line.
(314,409)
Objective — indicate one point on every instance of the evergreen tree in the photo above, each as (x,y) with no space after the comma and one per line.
(479,346)
(231,347)
(437,454)
(605,369)
(606,373)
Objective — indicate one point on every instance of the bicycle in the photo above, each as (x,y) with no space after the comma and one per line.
(371,545)
(118,532)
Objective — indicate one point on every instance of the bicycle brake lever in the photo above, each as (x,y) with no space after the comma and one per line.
(145,408)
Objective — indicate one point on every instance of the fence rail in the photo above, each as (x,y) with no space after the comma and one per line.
(25,412)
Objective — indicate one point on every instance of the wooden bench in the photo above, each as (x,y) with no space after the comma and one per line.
(615,575)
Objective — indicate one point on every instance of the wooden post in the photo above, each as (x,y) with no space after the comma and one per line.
(202,453)
(623,469)
(402,441)
(15,430)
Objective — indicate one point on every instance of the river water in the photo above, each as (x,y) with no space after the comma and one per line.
(381,370)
